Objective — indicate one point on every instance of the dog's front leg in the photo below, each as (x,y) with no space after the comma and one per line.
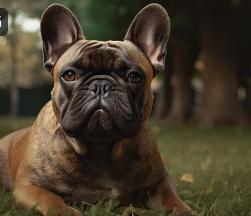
(28,196)
(165,194)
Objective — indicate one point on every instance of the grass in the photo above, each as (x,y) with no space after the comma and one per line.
(211,168)
(8,125)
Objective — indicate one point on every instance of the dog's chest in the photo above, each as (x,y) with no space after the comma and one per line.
(89,180)
(92,188)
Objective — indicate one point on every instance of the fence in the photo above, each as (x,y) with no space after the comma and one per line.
(30,100)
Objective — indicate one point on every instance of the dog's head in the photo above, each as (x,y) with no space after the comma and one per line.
(102,90)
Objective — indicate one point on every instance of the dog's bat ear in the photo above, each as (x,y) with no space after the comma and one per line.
(60,29)
(149,31)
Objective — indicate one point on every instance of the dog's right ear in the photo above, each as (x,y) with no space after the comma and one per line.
(60,29)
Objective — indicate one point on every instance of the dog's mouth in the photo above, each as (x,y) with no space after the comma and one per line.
(100,112)
(99,119)
(94,116)
(99,125)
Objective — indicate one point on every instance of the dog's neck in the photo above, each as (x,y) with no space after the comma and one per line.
(98,149)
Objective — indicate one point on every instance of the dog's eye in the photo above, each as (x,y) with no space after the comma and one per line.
(69,76)
(134,77)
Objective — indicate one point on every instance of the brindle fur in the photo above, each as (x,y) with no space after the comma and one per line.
(43,164)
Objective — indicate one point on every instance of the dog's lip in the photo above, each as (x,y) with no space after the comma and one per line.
(98,110)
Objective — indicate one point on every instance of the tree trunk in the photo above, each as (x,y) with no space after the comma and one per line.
(184,56)
(220,104)
(14,93)
(162,101)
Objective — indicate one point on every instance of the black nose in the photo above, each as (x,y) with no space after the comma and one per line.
(101,87)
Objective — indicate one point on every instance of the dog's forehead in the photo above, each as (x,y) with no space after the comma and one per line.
(99,55)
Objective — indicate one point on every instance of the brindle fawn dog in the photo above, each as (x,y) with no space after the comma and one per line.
(91,140)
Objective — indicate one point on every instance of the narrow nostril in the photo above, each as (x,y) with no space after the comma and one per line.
(93,87)
(108,87)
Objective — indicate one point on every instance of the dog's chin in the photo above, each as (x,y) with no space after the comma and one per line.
(101,127)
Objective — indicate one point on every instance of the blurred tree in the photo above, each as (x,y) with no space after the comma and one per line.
(163,94)
(184,40)
(14,9)
(184,56)
(219,31)
(13,40)
(109,20)
(215,28)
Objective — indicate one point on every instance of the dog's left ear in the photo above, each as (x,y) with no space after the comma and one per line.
(150,31)
(60,29)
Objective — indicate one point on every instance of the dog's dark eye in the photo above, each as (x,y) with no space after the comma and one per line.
(69,76)
(134,77)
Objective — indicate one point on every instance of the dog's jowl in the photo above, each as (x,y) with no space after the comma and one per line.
(91,140)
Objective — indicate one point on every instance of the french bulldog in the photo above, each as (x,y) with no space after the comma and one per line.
(91,140)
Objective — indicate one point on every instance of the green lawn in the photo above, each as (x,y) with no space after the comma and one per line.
(8,125)
(211,168)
